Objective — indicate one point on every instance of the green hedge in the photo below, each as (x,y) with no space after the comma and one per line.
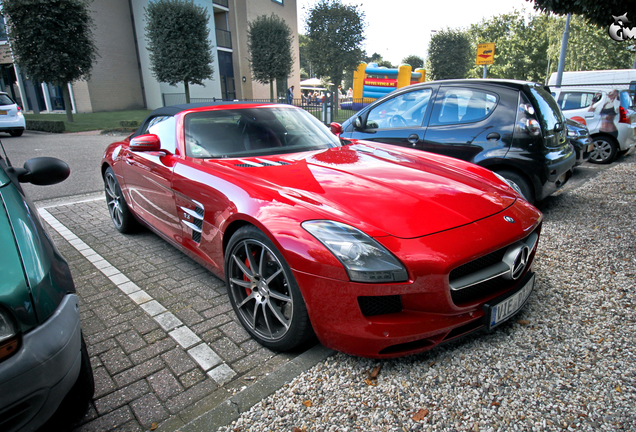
(45,126)
(129,123)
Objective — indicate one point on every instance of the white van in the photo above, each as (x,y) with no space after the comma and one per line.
(602,101)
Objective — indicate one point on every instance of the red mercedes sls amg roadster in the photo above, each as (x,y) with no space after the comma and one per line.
(377,250)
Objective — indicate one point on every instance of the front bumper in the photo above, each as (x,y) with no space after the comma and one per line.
(34,381)
(428,314)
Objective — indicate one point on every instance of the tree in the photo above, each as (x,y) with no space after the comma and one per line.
(597,12)
(269,44)
(528,48)
(52,41)
(589,47)
(336,33)
(450,54)
(521,45)
(416,62)
(303,54)
(177,35)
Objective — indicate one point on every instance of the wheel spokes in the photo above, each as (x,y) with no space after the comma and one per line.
(279,315)
(247,272)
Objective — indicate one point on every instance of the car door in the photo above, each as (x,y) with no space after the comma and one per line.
(471,122)
(586,105)
(148,180)
(397,120)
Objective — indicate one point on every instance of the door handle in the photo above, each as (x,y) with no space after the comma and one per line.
(493,136)
(413,139)
(589,115)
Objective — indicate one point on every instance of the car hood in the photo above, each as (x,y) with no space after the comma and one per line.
(403,194)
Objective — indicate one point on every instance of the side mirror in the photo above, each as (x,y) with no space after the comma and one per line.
(357,123)
(336,128)
(43,171)
(148,142)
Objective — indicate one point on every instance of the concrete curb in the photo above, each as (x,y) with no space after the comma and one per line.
(232,408)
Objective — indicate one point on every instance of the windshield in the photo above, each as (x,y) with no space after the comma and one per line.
(548,111)
(229,133)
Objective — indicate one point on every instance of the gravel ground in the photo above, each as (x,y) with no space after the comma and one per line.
(567,361)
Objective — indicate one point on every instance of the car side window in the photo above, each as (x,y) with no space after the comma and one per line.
(462,105)
(575,100)
(165,130)
(405,110)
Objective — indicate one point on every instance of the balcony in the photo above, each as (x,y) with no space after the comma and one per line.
(223,38)
(223,3)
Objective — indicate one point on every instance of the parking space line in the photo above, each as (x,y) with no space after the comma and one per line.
(199,350)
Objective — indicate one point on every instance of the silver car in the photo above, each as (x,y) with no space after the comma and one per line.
(11,116)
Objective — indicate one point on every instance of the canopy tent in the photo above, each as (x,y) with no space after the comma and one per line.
(312,82)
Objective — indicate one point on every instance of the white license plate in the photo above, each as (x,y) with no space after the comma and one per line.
(507,308)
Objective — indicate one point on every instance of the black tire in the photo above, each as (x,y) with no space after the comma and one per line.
(522,184)
(267,302)
(120,214)
(16,133)
(605,150)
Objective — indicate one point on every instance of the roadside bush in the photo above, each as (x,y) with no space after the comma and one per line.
(129,123)
(45,126)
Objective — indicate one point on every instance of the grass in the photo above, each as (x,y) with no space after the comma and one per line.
(93,121)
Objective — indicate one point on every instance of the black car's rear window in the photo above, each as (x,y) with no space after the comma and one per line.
(548,111)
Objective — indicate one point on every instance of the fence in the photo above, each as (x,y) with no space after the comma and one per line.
(321,108)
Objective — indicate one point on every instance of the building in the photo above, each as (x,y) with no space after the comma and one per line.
(121,78)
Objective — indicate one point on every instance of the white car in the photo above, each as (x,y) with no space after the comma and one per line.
(11,117)
(608,114)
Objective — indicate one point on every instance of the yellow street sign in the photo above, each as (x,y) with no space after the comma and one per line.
(485,54)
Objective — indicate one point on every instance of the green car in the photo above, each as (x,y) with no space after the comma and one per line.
(45,371)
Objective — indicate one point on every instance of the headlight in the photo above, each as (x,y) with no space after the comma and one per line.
(364,259)
(571,133)
(512,185)
(8,336)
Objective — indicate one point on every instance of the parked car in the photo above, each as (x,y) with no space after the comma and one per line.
(608,115)
(44,364)
(11,117)
(511,127)
(380,251)
(579,137)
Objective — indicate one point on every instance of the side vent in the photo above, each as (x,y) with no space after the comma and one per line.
(193,219)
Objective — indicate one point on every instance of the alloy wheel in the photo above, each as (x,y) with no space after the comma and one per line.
(113,199)
(260,289)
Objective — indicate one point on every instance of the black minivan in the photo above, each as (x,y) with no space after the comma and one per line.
(514,128)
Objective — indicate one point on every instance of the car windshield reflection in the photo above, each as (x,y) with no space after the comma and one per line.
(254,132)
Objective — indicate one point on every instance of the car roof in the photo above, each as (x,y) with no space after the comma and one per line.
(505,82)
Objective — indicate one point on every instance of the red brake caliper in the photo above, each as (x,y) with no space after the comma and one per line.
(245,278)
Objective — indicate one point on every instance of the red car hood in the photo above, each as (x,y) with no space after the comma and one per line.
(369,186)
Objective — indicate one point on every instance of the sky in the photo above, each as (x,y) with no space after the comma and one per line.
(398,28)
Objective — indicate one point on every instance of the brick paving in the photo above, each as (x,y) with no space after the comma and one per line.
(160,362)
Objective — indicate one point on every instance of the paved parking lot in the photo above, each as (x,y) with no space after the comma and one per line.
(164,343)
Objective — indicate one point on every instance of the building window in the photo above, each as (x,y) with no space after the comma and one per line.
(3,30)
(278,1)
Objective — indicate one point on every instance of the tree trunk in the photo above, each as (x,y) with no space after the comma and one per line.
(271,91)
(187,91)
(67,102)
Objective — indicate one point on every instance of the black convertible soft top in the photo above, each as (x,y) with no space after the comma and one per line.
(175,109)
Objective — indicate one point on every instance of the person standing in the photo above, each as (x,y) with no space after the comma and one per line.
(290,95)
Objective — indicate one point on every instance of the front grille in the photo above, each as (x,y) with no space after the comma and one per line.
(380,305)
(480,290)
(478,264)
(490,273)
